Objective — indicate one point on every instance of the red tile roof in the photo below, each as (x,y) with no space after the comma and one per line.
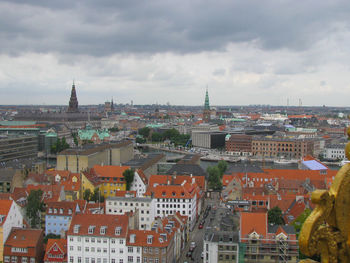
(56,247)
(23,238)
(99,221)
(110,171)
(140,238)
(251,222)
(5,206)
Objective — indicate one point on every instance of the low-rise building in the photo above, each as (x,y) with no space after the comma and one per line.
(59,215)
(10,216)
(98,238)
(143,206)
(24,245)
(334,152)
(56,251)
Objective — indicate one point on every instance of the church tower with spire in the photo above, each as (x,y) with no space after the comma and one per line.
(206,111)
(73,101)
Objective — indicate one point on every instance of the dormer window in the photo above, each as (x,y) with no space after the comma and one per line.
(103,230)
(70,211)
(76,229)
(50,210)
(61,210)
(173,193)
(182,194)
(118,231)
(149,239)
(91,229)
(163,193)
(55,211)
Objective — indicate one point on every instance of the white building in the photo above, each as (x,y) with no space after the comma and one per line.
(139,184)
(95,238)
(10,216)
(170,199)
(334,152)
(144,206)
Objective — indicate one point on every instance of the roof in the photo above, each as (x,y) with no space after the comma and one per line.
(23,238)
(110,171)
(5,206)
(81,223)
(253,222)
(65,208)
(60,245)
(314,165)
(159,239)
(275,228)
(146,162)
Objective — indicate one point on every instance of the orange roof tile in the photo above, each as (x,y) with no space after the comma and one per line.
(56,247)
(99,221)
(253,222)
(5,206)
(110,170)
(22,238)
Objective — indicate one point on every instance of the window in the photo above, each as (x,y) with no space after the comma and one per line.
(130,259)
(118,230)
(130,249)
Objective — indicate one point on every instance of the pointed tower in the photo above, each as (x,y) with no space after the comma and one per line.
(73,101)
(206,111)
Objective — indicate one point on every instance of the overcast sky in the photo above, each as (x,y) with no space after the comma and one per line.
(246,52)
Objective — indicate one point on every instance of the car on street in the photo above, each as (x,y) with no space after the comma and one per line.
(192,246)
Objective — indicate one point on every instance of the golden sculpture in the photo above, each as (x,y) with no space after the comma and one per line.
(326,232)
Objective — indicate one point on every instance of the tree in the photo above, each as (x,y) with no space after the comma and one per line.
(34,207)
(156,137)
(298,223)
(87,195)
(140,140)
(60,145)
(222,165)
(145,131)
(214,179)
(96,196)
(275,216)
(129,178)
(51,236)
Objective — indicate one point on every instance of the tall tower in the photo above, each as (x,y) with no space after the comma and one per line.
(206,111)
(73,101)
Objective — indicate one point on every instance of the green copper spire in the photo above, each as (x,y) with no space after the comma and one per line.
(206,103)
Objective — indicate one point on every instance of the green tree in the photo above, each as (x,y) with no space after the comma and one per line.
(51,236)
(145,131)
(275,216)
(87,195)
(129,177)
(140,139)
(298,223)
(97,197)
(156,137)
(34,207)
(222,165)
(214,179)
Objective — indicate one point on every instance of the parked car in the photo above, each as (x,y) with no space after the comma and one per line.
(192,246)
(189,254)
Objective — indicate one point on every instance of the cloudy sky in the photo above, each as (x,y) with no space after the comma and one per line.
(246,52)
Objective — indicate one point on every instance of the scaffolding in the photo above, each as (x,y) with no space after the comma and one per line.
(268,250)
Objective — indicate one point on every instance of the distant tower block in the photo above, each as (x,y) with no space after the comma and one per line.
(206,111)
(73,101)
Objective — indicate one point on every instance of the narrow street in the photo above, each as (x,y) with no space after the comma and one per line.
(197,235)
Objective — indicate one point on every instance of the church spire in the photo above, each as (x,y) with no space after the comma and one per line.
(206,102)
(73,101)
(206,110)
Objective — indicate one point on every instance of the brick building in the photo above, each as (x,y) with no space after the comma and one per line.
(239,143)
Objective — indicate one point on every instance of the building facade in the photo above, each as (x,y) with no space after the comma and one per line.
(79,159)
(240,144)
(18,147)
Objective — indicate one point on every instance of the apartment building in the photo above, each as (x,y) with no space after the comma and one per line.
(97,238)
(334,152)
(240,144)
(143,206)
(59,215)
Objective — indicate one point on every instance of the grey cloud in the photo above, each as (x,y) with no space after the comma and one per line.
(105,27)
(219,72)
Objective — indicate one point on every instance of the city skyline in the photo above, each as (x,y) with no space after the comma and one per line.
(159,52)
